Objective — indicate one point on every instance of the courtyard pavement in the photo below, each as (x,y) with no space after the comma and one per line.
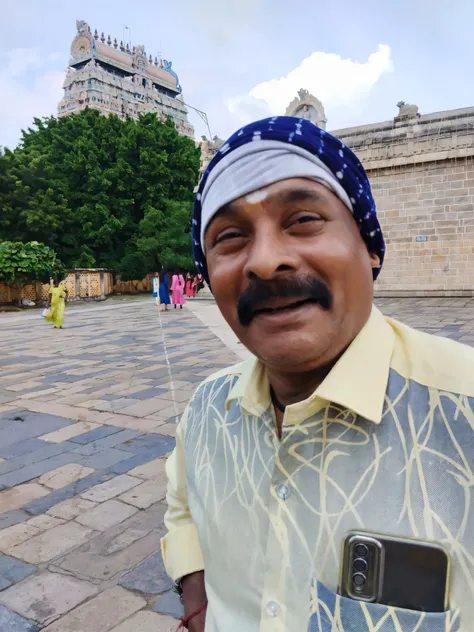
(87,418)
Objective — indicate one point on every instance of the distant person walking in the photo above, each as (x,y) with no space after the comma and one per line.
(164,293)
(189,285)
(156,289)
(177,290)
(57,299)
(198,283)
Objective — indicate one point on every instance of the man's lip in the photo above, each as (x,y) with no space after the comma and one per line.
(280,304)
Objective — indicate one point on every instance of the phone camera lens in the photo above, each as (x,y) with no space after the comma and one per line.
(359,580)
(361,550)
(359,565)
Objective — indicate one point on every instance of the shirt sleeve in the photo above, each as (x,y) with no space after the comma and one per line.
(180,546)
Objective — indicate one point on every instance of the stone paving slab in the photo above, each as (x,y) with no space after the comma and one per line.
(146,621)
(31,426)
(97,395)
(16,534)
(15,498)
(119,549)
(106,515)
(14,570)
(149,577)
(44,597)
(52,543)
(146,494)
(4,583)
(12,622)
(65,475)
(44,522)
(110,489)
(101,613)
(169,604)
(94,435)
(70,508)
(22,447)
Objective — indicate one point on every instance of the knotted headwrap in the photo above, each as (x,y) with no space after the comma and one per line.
(275,149)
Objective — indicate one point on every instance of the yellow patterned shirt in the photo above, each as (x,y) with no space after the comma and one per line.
(385,444)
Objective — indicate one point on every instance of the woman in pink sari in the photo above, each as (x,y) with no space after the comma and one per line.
(189,285)
(177,290)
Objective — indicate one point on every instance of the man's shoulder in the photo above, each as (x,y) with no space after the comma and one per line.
(435,361)
(224,379)
(235,370)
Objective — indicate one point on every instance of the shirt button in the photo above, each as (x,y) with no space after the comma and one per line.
(273,609)
(283,491)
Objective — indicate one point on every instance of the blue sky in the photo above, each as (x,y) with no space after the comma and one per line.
(240,59)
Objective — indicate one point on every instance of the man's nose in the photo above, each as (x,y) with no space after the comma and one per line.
(269,254)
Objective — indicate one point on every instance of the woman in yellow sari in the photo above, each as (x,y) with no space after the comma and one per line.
(56,296)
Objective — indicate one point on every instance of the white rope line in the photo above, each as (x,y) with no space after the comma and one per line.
(168,364)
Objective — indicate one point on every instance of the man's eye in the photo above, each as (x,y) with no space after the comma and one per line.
(304,219)
(234,234)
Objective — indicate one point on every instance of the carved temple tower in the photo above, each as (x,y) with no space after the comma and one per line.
(306,106)
(115,78)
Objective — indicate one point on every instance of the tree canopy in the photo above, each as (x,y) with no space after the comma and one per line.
(21,264)
(102,192)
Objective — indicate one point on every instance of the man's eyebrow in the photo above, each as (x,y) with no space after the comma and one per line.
(283,197)
(226,210)
(299,195)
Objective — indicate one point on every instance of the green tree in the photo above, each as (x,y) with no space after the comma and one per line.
(164,237)
(21,264)
(101,191)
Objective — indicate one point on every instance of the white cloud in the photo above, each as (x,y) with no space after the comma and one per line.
(29,88)
(222,24)
(21,60)
(337,82)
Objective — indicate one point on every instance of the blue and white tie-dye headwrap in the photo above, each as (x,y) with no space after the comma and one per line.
(274,149)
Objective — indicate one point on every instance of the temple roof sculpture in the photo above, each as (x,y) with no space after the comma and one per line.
(307,106)
(86,46)
(118,78)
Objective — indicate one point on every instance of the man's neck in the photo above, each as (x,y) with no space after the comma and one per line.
(291,388)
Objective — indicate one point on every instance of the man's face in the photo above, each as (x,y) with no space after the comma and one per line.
(290,273)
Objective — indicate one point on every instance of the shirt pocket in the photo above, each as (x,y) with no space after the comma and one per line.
(332,613)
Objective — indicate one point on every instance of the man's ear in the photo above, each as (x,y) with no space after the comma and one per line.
(374,260)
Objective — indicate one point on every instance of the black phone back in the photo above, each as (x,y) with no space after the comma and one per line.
(394,571)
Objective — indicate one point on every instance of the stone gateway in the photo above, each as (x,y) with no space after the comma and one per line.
(120,79)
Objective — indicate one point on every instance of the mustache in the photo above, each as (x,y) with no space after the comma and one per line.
(300,288)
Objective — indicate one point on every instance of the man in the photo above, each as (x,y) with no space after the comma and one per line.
(343,420)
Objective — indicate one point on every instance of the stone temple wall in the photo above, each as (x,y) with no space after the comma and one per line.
(422,173)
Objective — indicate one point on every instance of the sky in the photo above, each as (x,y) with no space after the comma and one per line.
(239,60)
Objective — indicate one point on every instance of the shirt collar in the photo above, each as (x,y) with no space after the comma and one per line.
(357,381)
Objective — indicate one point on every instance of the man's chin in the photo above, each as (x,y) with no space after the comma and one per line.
(289,350)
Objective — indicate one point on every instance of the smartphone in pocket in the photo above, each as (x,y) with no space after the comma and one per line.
(395,571)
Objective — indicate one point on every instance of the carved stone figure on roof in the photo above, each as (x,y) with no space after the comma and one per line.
(167,67)
(139,57)
(82,27)
(407,110)
(83,45)
(308,107)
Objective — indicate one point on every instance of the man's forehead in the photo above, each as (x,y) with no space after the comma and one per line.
(283,192)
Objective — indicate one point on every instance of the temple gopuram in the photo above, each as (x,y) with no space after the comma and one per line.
(116,78)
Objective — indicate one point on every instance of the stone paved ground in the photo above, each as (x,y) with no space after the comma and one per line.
(86,421)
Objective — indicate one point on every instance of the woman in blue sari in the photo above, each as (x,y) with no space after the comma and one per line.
(164,291)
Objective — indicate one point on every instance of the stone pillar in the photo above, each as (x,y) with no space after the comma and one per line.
(78,284)
(102,285)
(38,291)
